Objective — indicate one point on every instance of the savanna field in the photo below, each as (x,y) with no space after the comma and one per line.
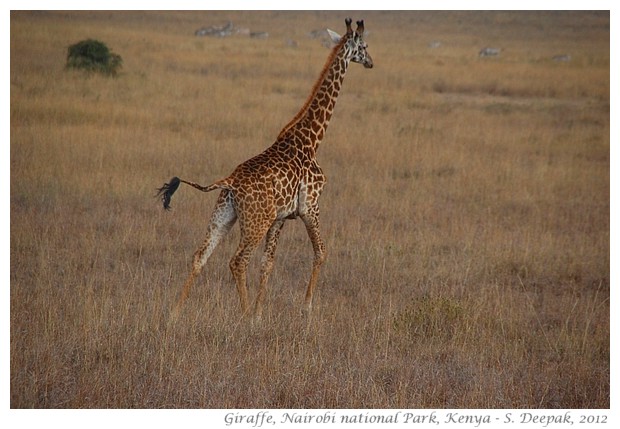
(466,214)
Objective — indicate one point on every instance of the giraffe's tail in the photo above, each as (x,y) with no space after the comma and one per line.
(166,191)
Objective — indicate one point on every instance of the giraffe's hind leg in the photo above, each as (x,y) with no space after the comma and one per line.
(271,242)
(222,220)
(252,233)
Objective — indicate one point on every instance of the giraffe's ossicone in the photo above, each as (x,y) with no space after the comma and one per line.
(283,182)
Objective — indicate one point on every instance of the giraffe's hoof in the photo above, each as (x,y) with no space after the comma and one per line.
(306,310)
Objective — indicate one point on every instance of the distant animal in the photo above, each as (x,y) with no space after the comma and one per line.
(489,52)
(259,35)
(217,31)
(562,58)
(283,182)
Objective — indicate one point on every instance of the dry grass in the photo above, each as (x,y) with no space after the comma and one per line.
(466,215)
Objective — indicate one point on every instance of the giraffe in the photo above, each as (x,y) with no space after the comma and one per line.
(283,182)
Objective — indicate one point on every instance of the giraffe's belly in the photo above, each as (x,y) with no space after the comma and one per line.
(288,208)
(296,193)
(290,200)
(297,204)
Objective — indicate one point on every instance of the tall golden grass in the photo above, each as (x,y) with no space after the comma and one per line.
(466,214)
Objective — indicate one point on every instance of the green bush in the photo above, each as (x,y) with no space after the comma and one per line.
(93,56)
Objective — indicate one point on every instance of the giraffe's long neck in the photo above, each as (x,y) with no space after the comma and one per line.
(313,118)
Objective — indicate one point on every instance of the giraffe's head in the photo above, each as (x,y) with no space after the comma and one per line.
(354,44)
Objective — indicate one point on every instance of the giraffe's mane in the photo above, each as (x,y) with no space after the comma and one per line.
(317,85)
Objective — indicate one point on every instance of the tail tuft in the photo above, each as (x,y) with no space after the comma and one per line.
(166,191)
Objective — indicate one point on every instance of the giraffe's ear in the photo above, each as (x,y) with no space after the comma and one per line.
(334,36)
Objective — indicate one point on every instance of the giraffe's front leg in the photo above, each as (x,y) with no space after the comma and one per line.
(311,220)
(271,243)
